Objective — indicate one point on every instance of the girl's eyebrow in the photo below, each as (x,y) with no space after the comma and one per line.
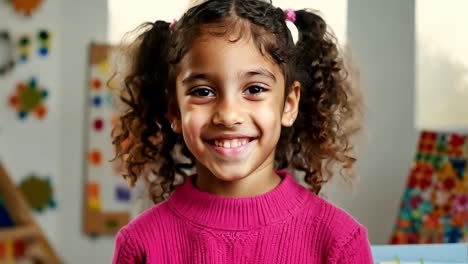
(262,71)
(195,76)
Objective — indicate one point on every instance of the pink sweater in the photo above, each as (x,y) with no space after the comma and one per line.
(286,225)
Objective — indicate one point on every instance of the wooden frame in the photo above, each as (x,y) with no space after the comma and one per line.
(25,227)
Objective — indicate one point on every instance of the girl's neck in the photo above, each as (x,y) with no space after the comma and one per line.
(259,182)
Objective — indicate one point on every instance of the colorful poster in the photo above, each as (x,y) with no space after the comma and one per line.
(107,197)
(434,208)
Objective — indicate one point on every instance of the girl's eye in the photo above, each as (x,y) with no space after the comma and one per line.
(202,92)
(255,90)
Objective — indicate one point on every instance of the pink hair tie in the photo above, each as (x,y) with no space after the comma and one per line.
(173,24)
(290,15)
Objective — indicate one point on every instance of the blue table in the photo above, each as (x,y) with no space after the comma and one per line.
(430,253)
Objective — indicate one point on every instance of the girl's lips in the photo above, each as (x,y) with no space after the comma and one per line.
(234,152)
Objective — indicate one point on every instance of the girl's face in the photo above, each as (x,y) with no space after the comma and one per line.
(232,106)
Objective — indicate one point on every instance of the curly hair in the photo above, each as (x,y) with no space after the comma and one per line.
(320,137)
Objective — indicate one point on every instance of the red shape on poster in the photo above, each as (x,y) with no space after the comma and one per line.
(98,124)
(96,84)
(95,157)
(19,248)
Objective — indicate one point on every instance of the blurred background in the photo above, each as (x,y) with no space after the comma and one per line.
(56,113)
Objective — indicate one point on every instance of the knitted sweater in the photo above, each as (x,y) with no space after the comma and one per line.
(289,224)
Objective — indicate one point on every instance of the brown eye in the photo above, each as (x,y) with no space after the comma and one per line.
(254,90)
(202,92)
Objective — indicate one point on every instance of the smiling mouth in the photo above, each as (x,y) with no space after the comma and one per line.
(230,143)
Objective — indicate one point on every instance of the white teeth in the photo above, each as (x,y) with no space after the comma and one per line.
(233,143)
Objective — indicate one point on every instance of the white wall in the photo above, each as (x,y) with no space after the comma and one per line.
(381,34)
(442,65)
(30,146)
(83,21)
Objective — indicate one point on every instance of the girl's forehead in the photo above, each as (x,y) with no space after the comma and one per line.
(226,52)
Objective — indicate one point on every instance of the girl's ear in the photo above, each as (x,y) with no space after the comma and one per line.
(291,105)
(173,116)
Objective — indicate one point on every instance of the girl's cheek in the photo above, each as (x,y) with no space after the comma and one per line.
(192,122)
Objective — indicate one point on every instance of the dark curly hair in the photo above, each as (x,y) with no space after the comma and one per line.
(319,138)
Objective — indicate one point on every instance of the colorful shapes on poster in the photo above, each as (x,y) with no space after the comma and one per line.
(427,142)
(29,98)
(97,101)
(5,218)
(26,7)
(98,124)
(95,157)
(38,192)
(24,48)
(96,84)
(10,249)
(434,208)
(92,196)
(122,194)
(421,176)
(44,39)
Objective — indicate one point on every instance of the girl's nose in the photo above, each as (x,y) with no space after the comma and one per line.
(228,113)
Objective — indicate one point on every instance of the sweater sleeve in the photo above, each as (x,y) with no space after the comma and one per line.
(125,251)
(356,250)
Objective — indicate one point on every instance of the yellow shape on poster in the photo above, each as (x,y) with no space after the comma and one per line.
(94,203)
(447,171)
(9,252)
(103,67)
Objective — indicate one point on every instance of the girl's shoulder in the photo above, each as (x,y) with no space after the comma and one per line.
(152,216)
(134,241)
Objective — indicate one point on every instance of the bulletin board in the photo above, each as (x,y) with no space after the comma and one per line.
(107,199)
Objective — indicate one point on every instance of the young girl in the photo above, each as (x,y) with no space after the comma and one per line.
(227,92)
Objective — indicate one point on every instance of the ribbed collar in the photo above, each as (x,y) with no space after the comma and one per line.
(218,212)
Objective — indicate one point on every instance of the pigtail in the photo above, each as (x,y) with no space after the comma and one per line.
(144,134)
(321,134)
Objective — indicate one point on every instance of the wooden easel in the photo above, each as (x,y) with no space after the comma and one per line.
(26,228)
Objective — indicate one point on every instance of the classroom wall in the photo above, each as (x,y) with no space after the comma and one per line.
(381,34)
(28,146)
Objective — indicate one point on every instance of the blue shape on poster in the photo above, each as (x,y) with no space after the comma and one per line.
(33,83)
(459,166)
(454,235)
(44,93)
(5,219)
(43,51)
(97,101)
(22,115)
(122,194)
